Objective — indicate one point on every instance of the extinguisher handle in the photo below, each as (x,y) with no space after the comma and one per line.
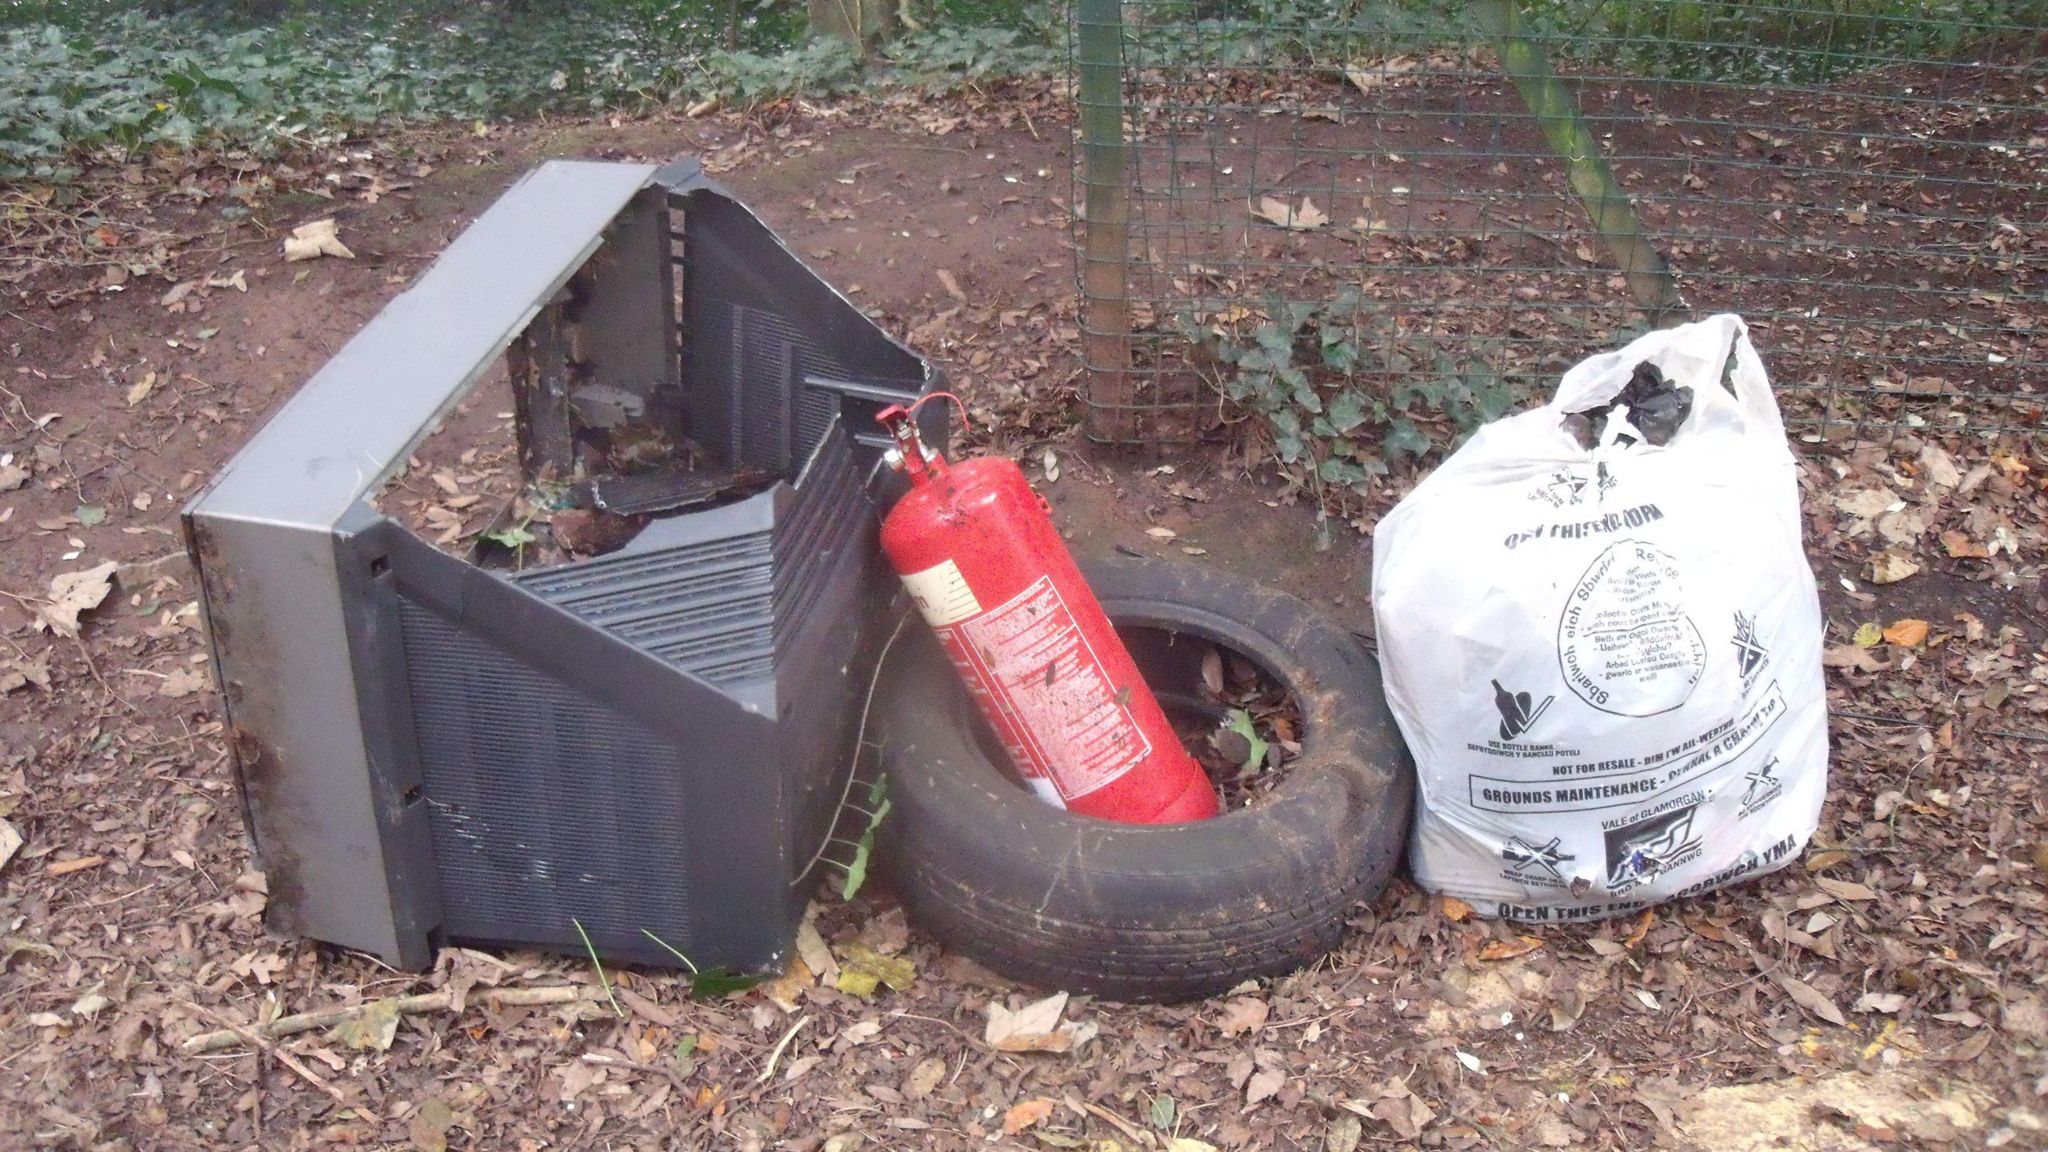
(912,455)
(903,430)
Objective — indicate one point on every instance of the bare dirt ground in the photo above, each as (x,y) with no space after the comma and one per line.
(1885,992)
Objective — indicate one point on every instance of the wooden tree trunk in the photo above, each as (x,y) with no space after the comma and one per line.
(1105,269)
(1557,113)
(861,23)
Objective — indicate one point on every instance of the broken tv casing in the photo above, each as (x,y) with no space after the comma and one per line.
(648,743)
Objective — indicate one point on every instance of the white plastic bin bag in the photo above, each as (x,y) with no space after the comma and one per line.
(1606,660)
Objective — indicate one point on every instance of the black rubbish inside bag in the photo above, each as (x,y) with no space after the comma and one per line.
(1656,407)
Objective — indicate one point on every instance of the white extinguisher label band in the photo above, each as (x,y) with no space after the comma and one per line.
(1047,791)
(942,594)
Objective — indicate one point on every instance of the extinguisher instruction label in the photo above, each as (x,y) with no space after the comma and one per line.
(942,594)
(1075,725)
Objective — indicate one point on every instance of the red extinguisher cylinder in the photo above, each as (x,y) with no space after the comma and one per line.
(978,552)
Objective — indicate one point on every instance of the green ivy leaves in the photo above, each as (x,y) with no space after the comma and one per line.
(1344,390)
(133,81)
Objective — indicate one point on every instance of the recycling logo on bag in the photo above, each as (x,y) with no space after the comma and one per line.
(1535,864)
(1763,786)
(1517,711)
(1639,537)
(1566,487)
(1750,654)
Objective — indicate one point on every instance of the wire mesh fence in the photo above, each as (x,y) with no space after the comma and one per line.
(1397,217)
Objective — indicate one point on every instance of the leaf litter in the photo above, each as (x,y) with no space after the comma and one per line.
(1303,217)
(1036,1027)
(1925,942)
(74,593)
(315,239)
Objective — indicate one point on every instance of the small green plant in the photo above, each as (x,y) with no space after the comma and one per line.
(706,983)
(856,869)
(131,82)
(515,538)
(1343,389)
(948,55)
(602,980)
(84,80)
(1240,722)
(824,66)
(1796,42)
(79,81)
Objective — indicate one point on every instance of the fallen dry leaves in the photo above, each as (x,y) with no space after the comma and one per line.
(1891,566)
(1368,78)
(313,240)
(75,593)
(1961,547)
(1810,998)
(1243,1015)
(1024,1114)
(1907,633)
(1855,656)
(1036,1027)
(1304,217)
(1497,950)
(374,1029)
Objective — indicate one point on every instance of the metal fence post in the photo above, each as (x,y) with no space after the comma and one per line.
(1105,298)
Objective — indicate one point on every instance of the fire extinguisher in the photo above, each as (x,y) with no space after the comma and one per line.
(978,552)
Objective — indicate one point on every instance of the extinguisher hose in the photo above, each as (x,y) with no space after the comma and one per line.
(958,406)
(859,743)
(861,733)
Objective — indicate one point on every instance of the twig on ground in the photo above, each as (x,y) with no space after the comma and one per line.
(1893,721)
(407,1006)
(2037,737)
(964,1034)
(9,640)
(775,1056)
(25,320)
(1129,1130)
(290,1061)
(93,667)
